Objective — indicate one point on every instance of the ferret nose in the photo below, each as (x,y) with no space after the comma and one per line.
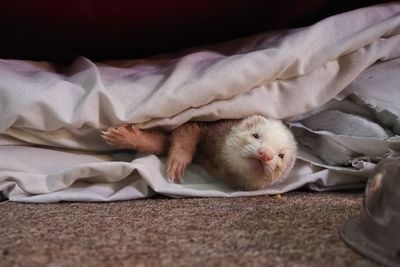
(265,155)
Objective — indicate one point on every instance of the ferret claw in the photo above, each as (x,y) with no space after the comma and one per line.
(109,136)
(175,180)
(107,140)
(179,180)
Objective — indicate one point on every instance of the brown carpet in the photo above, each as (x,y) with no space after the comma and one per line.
(299,229)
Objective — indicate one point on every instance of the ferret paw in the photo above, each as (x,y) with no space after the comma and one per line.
(176,169)
(123,136)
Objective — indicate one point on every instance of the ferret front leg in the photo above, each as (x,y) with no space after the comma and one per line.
(184,140)
(145,141)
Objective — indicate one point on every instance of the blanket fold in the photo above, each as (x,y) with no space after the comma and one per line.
(336,82)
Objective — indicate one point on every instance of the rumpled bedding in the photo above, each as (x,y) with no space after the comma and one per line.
(336,83)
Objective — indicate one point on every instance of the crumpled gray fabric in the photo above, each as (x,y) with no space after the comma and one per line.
(51,116)
(361,124)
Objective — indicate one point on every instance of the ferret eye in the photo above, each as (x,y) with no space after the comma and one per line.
(281,155)
(256,136)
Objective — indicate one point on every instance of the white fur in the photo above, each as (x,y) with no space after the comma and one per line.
(241,145)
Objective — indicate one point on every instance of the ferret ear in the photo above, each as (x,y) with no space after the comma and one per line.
(249,125)
(252,122)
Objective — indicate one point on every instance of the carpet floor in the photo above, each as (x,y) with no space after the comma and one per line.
(297,229)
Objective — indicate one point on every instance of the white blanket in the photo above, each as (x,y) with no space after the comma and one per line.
(347,65)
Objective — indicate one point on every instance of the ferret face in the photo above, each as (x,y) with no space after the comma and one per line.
(260,151)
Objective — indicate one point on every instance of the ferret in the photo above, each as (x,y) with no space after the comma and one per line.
(247,154)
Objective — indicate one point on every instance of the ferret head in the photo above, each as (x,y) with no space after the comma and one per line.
(259,152)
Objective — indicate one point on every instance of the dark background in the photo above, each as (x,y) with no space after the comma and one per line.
(61,30)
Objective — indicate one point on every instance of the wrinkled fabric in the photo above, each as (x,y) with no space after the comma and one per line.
(345,66)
